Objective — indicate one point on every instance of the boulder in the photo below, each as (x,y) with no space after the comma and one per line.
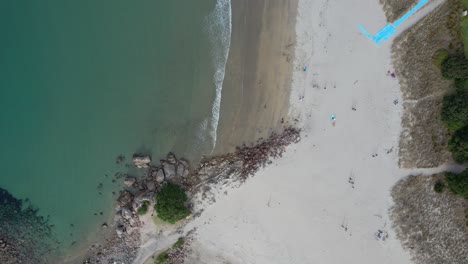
(129,181)
(141,161)
(126,213)
(160,176)
(169,170)
(180,170)
(120,230)
(150,185)
(171,158)
(184,162)
(125,199)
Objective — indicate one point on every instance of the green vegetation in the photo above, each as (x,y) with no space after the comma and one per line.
(455,111)
(164,256)
(439,187)
(461,85)
(458,145)
(143,208)
(170,203)
(440,56)
(455,67)
(458,183)
(464,30)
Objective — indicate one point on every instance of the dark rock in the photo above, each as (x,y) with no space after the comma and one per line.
(129,181)
(125,199)
(160,176)
(171,158)
(169,170)
(151,185)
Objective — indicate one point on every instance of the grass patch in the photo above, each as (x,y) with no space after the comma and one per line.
(464,3)
(143,208)
(170,203)
(164,256)
(439,57)
(179,244)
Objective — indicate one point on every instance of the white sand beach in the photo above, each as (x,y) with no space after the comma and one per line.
(326,199)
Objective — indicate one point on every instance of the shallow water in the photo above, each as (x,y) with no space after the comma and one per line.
(84,81)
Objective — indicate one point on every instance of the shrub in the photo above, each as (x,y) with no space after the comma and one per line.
(455,111)
(439,187)
(458,145)
(455,67)
(179,244)
(439,57)
(143,208)
(170,203)
(162,258)
(458,183)
(461,85)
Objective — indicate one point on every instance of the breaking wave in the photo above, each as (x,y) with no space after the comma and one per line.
(219,27)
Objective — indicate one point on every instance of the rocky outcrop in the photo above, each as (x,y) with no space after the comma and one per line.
(160,176)
(141,162)
(169,169)
(125,199)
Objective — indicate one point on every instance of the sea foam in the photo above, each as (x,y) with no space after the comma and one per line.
(219,27)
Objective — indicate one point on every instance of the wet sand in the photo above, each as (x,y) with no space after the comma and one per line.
(258,73)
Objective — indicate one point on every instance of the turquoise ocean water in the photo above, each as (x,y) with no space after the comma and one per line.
(84,81)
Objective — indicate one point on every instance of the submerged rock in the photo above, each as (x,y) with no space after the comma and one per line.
(171,158)
(141,162)
(129,181)
(125,199)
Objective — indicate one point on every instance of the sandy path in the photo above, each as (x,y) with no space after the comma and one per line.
(303,208)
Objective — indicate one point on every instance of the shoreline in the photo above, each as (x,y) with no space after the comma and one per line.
(255,96)
(332,191)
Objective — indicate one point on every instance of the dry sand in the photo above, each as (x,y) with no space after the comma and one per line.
(328,197)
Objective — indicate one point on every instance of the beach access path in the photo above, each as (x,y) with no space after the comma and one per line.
(327,200)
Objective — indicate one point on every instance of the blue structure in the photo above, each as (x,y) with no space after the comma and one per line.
(390,29)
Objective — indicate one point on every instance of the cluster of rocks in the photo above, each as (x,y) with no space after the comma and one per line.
(123,244)
(245,160)
(240,164)
(25,236)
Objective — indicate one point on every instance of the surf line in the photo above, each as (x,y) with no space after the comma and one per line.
(390,29)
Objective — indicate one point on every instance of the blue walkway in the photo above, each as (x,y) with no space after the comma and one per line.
(390,29)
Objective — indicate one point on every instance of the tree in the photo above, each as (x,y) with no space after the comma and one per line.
(170,203)
(461,85)
(455,111)
(455,67)
(458,145)
(458,183)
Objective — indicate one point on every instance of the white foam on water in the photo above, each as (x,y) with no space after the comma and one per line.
(219,27)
